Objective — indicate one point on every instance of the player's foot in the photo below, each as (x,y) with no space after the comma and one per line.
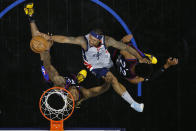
(28,9)
(81,76)
(152,58)
(138,107)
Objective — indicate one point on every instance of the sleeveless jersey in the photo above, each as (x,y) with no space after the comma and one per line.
(123,65)
(96,57)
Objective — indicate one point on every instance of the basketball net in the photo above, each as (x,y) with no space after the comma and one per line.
(56,116)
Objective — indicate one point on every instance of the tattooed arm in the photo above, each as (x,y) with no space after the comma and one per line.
(121,46)
(65,39)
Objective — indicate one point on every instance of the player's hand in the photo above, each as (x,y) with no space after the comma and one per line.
(45,36)
(171,62)
(127,38)
(144,60)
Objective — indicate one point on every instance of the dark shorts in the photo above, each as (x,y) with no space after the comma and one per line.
(100,72)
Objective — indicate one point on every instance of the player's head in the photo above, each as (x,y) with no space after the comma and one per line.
(143,70)
(81,76)
(95,37)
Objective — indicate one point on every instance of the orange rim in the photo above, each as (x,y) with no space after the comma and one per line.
(49,90)
(56,125)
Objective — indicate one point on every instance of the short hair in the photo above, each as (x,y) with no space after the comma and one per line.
(98,31)
(143,70)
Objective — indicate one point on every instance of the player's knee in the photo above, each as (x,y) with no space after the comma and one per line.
(114,80)
(108,77)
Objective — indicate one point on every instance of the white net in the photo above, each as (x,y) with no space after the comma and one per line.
(56,104)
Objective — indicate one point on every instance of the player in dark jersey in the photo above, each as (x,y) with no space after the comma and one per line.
(135,72)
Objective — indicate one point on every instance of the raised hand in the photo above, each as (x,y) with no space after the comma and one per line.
(145,60)
(127,38)
(171,62)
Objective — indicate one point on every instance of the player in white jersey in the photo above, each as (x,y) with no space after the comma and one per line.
(97,58)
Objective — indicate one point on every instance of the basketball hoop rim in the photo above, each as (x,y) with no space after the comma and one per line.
(52,89)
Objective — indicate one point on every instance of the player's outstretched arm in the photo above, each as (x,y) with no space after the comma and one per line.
(45,58)
(79,40)
(50,69)
(170,62)
(93,92)
(70,40)
(121,46)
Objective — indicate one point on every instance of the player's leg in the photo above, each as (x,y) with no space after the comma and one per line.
(121,90)
(115,84)
(93,92)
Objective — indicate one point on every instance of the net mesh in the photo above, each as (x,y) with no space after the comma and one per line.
(56,104)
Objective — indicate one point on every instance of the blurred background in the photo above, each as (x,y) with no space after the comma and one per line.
(163,28)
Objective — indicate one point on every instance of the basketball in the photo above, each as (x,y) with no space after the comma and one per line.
(39,44)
